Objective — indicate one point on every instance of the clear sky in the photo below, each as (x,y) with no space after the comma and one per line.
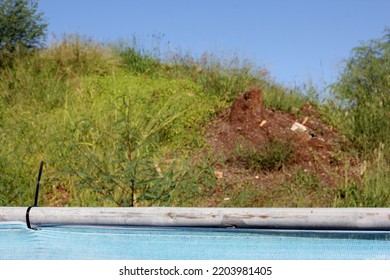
(297,41)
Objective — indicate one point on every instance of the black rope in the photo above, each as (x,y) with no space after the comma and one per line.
(36,197)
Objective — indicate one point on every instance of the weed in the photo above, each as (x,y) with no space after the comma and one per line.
(373,189)
(304,189)
(121,146)
(363,95)
(76,55)
(284,99)
(272,156)
(136,60)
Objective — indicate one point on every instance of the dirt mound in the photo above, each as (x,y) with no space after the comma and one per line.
(249,127)
(247,108)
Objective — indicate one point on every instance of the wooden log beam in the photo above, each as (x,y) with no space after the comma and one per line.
(263,218)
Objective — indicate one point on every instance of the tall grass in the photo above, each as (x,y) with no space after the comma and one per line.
(218,77)
(43,78)
(362,106)
(125,144)
(108,137)
(118,126)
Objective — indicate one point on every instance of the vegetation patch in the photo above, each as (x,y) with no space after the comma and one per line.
(120,127)
(272,156)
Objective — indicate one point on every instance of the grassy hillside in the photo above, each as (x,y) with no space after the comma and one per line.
(118,127)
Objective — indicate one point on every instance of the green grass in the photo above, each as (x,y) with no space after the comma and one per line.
(117,126)
(99,127)
(374,188)
(271,156)
(133,129)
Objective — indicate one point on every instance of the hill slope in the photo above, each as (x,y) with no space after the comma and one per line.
(121,128)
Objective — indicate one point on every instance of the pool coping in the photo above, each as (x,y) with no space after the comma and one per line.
(261,218)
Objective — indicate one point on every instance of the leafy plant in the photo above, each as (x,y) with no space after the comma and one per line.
(364,96)
(22,28)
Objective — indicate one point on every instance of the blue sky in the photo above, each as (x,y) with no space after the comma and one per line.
(297,41)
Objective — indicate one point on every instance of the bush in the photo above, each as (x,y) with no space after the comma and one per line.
(363,92)
(22,28)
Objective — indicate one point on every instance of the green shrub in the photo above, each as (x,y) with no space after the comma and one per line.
(22,29)
(363,93)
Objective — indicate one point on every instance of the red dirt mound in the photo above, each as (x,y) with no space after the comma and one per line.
(247,108)
(248,125)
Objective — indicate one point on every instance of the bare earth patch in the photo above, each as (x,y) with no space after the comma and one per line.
(247,125)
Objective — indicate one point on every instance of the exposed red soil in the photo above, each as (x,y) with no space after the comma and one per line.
(247,124)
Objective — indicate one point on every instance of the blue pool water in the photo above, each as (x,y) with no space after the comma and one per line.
(102,243)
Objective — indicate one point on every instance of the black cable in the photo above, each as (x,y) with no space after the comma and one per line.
(28,218)
(36,197)
(38,184)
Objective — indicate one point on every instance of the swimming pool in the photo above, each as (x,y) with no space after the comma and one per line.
(194,234)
